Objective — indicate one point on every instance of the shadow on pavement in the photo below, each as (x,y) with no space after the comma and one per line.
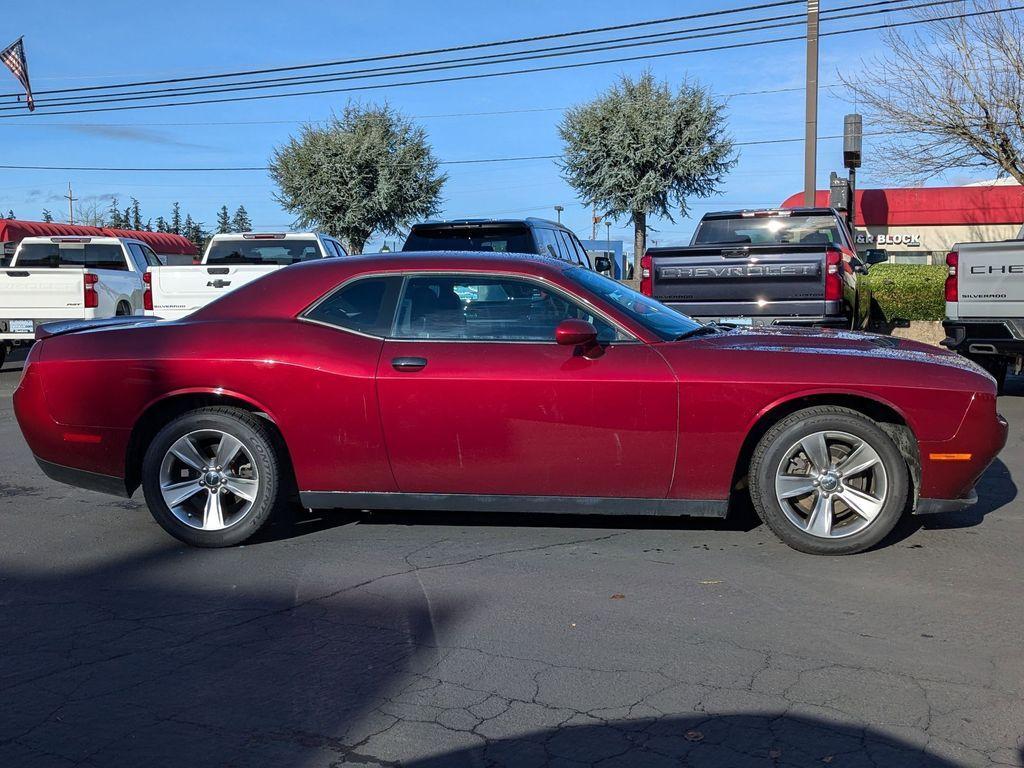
(734,740)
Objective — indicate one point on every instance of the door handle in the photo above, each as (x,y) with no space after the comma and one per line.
(409,363)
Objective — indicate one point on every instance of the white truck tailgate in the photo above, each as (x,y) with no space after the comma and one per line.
(49,292)
(179,291)
(991,279)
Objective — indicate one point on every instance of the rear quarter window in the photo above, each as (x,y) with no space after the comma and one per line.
(365,305)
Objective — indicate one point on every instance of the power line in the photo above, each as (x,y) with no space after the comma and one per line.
(752,25)
(548,68)
(429,52)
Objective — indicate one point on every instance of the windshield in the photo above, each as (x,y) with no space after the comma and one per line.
(768,230)
(514,239)
(277,252)
(665,322)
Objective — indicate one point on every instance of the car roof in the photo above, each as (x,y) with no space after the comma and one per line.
(528,221)
(770,211)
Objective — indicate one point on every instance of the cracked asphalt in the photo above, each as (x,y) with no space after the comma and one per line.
(453,640)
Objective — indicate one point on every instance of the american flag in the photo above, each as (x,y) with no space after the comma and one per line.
(13,56)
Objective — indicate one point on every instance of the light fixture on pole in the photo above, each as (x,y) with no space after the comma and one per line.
(558,212)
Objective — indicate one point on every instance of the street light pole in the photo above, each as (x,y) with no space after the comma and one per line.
(608,245)
(811,97)
(558,212)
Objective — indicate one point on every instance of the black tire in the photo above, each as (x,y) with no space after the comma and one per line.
(3,355)
(773,448)
(256,437)
(996,366)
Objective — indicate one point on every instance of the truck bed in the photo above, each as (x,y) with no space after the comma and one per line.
(179,291)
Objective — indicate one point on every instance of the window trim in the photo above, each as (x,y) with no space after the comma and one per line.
(301,316)
(631,337)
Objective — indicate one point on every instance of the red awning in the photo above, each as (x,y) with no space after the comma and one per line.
(932,206)
(13,230)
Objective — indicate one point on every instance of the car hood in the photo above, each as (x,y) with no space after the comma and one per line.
(831,342)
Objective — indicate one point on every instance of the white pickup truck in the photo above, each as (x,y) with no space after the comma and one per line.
(230,262)
(985,304)
(70,278)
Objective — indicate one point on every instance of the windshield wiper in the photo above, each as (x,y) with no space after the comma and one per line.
(701,330)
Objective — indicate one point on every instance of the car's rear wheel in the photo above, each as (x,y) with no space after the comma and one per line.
(212,477)
(828,481)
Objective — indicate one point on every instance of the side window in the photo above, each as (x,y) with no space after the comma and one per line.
(339,248)
(546,245)
(138,257)
(366,306)
(470,308)
(152,260)
(571,254)
(580,250)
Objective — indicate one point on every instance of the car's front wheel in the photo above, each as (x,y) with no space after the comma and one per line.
(212,477)
(828,481)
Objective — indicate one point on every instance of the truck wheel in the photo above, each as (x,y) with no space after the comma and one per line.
(828,481)
(996,367)
(213,477)
(3,354)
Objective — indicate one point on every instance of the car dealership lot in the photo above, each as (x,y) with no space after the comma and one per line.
(449,640)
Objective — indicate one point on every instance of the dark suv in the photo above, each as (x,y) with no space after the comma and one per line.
(503,236)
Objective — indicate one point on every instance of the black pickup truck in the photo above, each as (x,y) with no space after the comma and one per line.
(794,266)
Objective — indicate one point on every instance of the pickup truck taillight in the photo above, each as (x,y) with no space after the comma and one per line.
(89,295)
(147,294)
(833,280)
(952,286)
(646,278)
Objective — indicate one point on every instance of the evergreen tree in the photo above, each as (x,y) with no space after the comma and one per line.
(161,224)
(241,222)
(149,225)
(47,216)
(136,215)
(127,218)
(223,220)
(176,219)
(114,217)
(10,213)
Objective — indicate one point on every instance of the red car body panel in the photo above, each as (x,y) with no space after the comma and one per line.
(647,419)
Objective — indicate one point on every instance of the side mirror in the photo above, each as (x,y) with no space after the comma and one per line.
(875,256)
(576,333)
(602,264)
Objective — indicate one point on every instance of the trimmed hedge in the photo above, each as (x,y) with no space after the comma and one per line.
(908,291)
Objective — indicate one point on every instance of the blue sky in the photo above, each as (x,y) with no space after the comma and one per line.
(75,43)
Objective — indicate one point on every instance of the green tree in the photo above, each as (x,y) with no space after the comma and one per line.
(241,222)
(641,149)
(161,224)
(10,213)
(175,225)
(114,217)
(369,170)
(223,220)
(136,210)
(47,216)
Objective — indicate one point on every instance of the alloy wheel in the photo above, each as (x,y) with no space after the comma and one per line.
(831,484)
(209,480)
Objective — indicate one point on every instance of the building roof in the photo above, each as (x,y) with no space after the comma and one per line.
(931,206)
(14,230)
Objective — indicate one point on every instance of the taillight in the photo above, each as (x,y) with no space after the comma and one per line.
(833,280)
(147,294)
(91,298)
(952,285)
(646,278)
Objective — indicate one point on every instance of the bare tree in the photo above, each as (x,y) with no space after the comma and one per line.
(950,95)
(91,213)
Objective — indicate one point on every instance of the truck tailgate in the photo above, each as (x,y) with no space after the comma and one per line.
(749,280)
(43,293)
(991,279)
(178,291)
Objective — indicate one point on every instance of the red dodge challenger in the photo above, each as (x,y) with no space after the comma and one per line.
(491,382)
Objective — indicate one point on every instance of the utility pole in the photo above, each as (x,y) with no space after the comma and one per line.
(71,204)
(594,218)
(811,95)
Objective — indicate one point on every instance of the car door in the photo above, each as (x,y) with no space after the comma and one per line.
(477,398)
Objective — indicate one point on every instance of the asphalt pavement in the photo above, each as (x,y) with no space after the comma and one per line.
(446,640)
